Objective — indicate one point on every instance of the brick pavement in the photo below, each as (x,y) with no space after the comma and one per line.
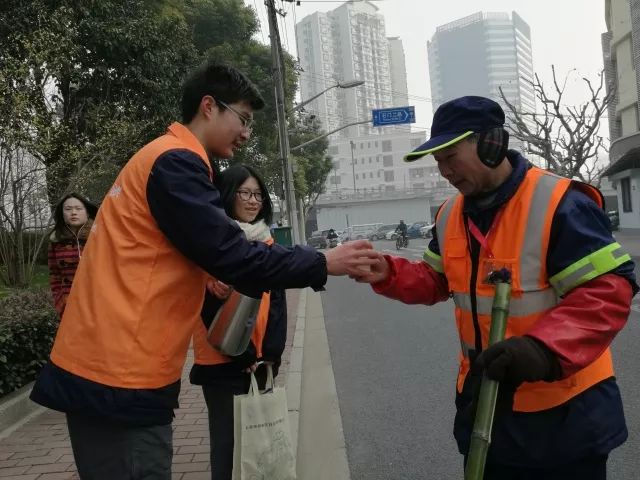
(40,449)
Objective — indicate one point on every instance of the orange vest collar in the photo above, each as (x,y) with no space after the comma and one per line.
(184,134)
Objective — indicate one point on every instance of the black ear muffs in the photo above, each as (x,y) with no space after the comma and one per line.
(492,146)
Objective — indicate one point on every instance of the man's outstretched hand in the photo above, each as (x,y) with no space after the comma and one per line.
(378,272)
(352,258)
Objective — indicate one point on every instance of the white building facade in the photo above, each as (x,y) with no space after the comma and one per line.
(621,52)
(345,44)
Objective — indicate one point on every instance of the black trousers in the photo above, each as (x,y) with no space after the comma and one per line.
(104,450)
(585,469)
(219,398)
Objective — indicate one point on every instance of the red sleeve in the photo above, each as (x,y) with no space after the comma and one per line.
(55,280)
(413,282)
(581,327)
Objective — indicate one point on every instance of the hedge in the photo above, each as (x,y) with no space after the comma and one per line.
(28,325)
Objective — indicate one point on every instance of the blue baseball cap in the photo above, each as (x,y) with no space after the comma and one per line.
(457,119)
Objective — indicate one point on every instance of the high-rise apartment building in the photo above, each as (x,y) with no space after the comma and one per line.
(478,54)
(397,65)
(621,52)
(347,43)
(350,43)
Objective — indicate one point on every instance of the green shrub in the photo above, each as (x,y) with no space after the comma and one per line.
(28,325)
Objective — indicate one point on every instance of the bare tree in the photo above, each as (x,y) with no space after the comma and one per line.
(566,137)
(24,214)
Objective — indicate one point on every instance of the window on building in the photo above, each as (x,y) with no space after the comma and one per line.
(336,180)
(370,160)
(386,146)
(416,142)
(368,144)
(361,145)
(356,176)
(333,150)
(416,172)
(336,165)
(387,160)
(388,176)
(375,144)
(625,186)
(371,175)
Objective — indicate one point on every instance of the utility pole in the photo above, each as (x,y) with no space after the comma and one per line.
(278,80)
(353,165)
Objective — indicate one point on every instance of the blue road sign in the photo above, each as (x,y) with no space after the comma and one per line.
(393,116)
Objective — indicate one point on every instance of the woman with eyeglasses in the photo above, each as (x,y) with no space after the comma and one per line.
(74,216)
(246,200)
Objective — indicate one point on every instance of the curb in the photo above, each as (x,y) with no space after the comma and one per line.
(294,373)
(16,409)
(320,444)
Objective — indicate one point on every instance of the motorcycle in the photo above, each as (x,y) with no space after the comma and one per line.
(401,242)
(333,242)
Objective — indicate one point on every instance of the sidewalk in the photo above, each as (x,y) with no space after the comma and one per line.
(40,449)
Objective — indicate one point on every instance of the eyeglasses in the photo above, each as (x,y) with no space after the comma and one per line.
(246,121)
(246,195)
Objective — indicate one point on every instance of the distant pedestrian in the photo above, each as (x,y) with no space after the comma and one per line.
(73,217)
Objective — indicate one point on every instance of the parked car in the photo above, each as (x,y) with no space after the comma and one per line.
(614,218)
(381,233)
(425,232)
(359,232)
(414,230)
(318,239)
(391,235)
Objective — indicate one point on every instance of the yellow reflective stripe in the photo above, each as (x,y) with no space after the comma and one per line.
(593,265)
(529,304)
(433,260)
(415,155)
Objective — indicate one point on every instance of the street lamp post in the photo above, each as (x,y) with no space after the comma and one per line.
(345,85)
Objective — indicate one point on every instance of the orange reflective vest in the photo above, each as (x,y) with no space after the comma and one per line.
(135,299)
(205,354)
(520,242)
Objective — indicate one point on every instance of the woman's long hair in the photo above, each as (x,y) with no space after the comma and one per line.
(60,226)
(229,181)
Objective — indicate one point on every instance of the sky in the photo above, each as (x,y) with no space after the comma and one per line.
(565,33)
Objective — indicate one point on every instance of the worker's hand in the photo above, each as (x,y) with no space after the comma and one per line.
(351,258)
(251,368)
(219,289)
(378,272)
(519,359)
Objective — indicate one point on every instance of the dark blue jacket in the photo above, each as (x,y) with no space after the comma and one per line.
(187,209)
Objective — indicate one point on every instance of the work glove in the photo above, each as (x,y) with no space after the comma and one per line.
(519,359)
(467,404)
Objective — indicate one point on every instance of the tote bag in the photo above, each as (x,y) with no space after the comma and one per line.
(262,447)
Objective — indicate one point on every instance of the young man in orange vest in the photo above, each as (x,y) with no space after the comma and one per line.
(572,286)
(161,231)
